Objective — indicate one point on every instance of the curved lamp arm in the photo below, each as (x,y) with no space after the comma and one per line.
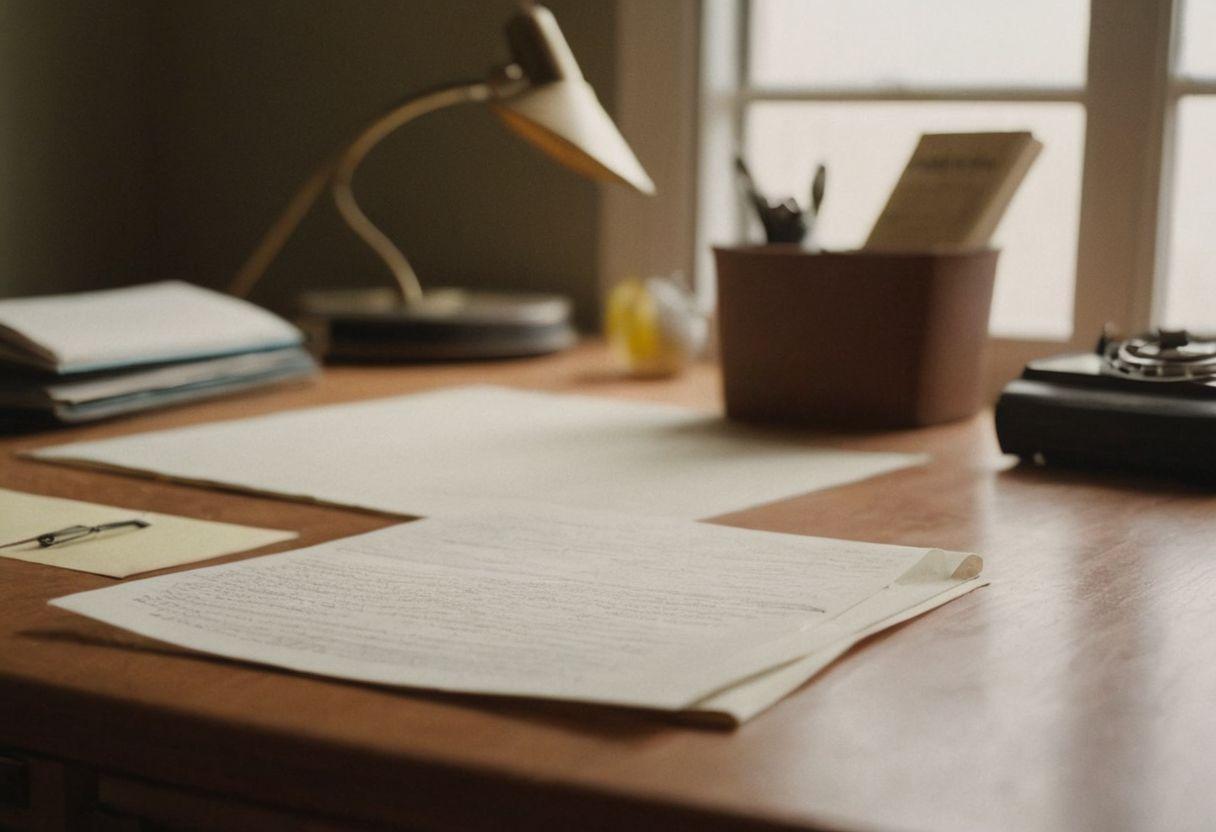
(339,173)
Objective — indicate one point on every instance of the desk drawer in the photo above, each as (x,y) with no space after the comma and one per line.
(43,795)
(165,809)
(38,794)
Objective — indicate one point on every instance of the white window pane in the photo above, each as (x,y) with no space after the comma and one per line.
(866,145)
(1190,287)
(1198,48)
(934,42)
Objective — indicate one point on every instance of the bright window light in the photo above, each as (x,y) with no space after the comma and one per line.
(928,42)
(1197,50)
(866,145)
(1190,287)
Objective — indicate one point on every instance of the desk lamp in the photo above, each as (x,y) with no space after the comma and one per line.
(542,97)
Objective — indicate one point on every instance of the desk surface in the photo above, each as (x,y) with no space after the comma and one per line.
(1078,691)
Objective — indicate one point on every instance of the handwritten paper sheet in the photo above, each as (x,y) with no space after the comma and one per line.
(589,606)
(484,448)
(892,605)
(168,541)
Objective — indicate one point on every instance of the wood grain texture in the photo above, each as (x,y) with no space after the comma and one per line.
(1076,692)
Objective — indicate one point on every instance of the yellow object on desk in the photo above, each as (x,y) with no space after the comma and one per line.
(166,541)
(654,327)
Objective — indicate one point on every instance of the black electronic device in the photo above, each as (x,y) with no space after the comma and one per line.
(1145,403)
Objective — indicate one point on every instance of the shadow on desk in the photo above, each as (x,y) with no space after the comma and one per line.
(608,721)
(1072,475)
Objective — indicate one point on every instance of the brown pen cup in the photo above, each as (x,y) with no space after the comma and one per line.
(858,338)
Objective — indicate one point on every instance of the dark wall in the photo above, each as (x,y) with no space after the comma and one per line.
(215,110)
(76,196)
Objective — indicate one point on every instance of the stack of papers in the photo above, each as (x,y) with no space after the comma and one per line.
(91,355)
(651,613)
(560,557)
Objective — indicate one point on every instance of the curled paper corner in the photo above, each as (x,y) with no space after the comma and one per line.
(941,565)
(970,567)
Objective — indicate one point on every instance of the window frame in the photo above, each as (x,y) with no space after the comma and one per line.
(688,138)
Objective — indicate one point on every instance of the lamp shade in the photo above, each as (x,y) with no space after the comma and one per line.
(566,121)
(557,110)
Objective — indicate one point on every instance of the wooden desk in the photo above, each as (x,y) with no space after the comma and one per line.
(1077,692)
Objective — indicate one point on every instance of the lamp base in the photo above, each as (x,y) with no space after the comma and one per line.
(374,326)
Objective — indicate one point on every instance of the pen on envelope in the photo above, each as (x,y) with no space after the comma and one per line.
(70,533)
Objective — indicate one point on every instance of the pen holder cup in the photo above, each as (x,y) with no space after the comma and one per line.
(858,338)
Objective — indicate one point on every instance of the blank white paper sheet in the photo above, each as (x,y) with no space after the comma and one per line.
(484,448)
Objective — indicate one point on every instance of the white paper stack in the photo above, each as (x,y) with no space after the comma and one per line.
(91,355)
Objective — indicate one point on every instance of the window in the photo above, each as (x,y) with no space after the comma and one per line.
(1188,294)
(1116,222)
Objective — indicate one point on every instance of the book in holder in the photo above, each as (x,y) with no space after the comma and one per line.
(859,338)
